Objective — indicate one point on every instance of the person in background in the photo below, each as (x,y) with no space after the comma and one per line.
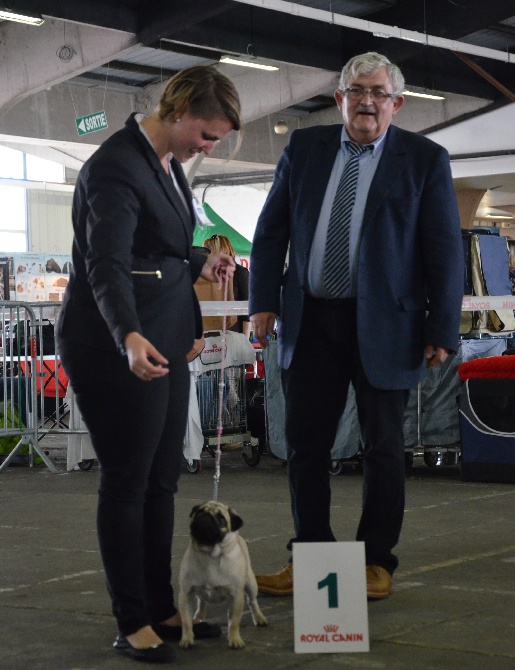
(372,296)
(206,291)
(222,244)
(128,320)
(511,262)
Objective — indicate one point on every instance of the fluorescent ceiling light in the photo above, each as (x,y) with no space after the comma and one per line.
(423,95)
(497,216)
(419,39)
(31,19)
(246,63)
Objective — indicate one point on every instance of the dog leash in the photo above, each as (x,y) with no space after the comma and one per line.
(221,389)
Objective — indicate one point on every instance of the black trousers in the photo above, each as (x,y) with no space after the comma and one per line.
(326,360)
(137,430)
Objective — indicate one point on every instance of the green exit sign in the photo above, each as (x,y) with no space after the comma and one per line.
(91,123)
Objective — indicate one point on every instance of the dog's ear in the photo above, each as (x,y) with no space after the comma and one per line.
(195,510)
(236,521)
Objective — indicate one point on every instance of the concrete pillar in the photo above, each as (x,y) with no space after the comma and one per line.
(468,202)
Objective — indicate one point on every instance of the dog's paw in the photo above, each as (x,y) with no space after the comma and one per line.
(258,618)
(236,642)
(186,642)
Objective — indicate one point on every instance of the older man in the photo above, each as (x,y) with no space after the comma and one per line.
(371,296)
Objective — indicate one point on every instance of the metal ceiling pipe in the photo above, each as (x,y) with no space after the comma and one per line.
(380,29)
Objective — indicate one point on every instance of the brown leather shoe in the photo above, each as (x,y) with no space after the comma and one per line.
(379,582)
(278,584)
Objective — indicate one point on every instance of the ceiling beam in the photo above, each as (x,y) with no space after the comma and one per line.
(187,49)
(454,19)
(137,68)
(291,39)
(483,73)
(160,19)
(117,14)
(503,28)
(333,18)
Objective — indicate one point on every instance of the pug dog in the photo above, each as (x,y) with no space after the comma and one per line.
(216,568)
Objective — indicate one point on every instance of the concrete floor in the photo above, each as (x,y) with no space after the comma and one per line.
(453,607)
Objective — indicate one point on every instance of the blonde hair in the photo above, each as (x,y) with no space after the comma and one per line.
(220,244)
(203,92)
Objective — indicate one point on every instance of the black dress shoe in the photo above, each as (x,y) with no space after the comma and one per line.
(201,630)
(161,653)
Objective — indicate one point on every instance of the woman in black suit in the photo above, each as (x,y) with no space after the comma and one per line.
(128,320)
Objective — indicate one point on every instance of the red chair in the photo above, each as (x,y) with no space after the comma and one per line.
(51,383)
(47,378)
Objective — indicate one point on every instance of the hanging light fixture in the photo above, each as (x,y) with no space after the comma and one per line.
(25,17)
(281,128)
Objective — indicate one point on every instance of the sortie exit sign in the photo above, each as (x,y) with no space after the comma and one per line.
(91,123)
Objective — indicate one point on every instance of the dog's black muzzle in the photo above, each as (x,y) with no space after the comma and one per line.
(207,529)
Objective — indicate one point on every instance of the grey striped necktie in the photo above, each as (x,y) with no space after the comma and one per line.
(336,258)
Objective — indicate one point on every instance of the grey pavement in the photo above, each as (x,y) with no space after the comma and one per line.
(453,605)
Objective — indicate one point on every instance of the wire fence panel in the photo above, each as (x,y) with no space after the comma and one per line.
(34,394)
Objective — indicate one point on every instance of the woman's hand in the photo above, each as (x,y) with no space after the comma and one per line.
(218,268)
(144,359)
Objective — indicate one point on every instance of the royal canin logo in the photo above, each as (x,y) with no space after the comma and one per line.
(331,635)
(214,350)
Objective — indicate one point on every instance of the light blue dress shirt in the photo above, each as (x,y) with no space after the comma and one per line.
(368,162)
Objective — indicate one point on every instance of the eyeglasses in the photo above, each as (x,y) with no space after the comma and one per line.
(214,237)
(377,94)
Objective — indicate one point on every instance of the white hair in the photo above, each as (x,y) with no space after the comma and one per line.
(369,63)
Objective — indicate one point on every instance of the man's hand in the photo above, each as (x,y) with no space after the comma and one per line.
(435,355)
(263,325)
(218,268)
(139,351)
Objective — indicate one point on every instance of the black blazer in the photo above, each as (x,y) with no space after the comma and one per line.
(133,262)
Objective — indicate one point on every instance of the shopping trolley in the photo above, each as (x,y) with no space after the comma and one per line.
(210,385)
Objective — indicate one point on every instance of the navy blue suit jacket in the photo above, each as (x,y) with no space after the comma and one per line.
(130,224)
(410,265)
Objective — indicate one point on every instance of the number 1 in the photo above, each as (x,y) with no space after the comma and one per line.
(331,581)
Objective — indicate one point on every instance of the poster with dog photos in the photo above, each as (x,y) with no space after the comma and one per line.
(29,277)
(57,276)
(36,277)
